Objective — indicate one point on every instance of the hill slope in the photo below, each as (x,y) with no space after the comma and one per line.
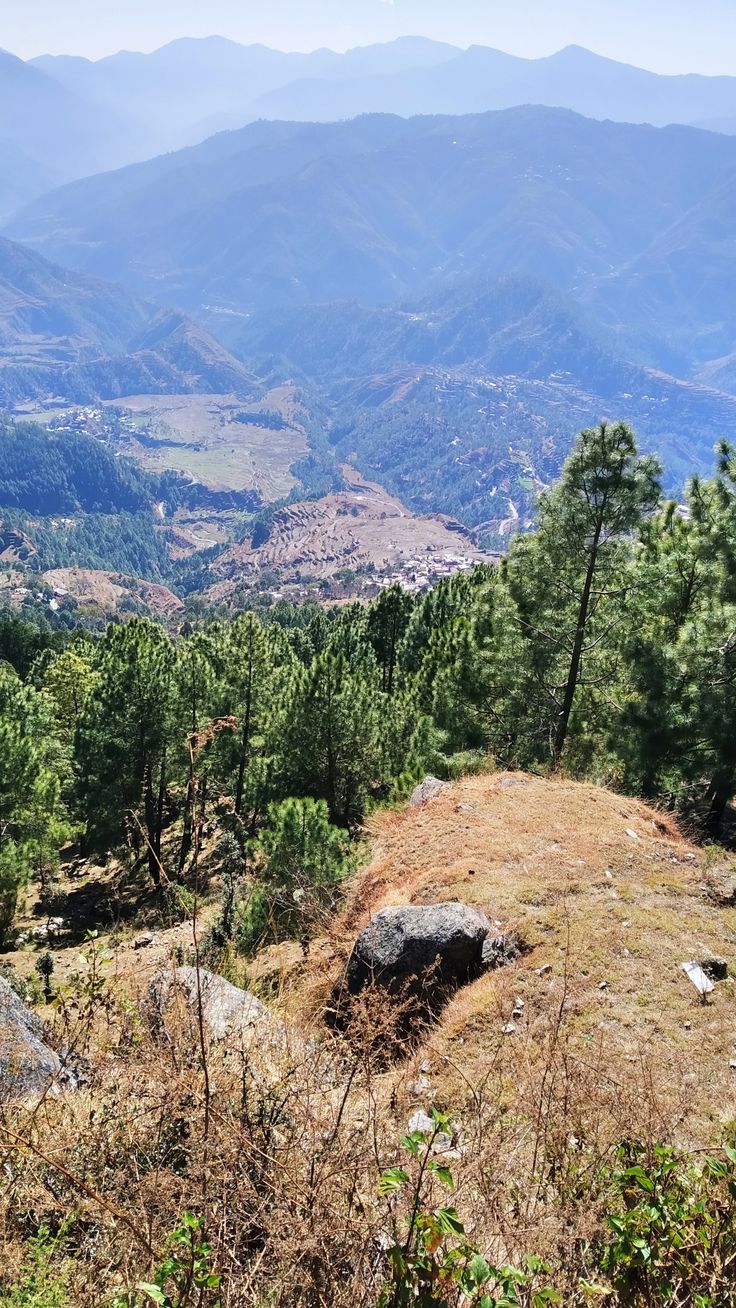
(51,133)
(73,336)
(607,896)
(466,401)
(284,214)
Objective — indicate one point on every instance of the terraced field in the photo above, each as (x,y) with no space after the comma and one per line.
(220,441)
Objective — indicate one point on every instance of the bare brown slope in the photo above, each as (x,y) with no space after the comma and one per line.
(361,527)
(612,898)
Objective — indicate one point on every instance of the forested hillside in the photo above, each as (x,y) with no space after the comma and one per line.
(603,643)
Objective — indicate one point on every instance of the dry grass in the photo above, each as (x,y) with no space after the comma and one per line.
(282,1157)
(606,891)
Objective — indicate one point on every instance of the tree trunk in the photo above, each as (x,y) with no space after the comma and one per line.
(577,651)
(149,805)
(718,795)
(186,833)
(244,743)
(160,805)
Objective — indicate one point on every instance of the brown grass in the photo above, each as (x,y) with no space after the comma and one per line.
(614,914)
(284,1166)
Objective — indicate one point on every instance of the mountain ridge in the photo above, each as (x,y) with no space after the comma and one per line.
(74,336)
(380,207)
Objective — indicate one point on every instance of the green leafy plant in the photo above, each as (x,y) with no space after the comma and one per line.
(435,1265)
(40,1285)
(185,1276)
(674,1236)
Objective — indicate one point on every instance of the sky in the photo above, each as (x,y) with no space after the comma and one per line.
(665,35)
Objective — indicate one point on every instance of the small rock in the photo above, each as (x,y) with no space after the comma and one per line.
(609,874)
(688,1026)
(603,985)
(632,834)
(626,923)
(520,1003)
(426,791)
(421,1089)
(498,951)
(443,1143)
(421,1121)
(144,940)
(508,1029)
(732,1064)
(720,886)
(544,970)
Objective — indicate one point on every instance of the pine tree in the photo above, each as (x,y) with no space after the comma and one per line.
(32,819)
(570,579)
(127,743)
(303,859)
(257,665)
(388,620)
(328,741)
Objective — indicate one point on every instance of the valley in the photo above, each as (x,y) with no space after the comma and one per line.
(367,661)
(351,543)
(218,441)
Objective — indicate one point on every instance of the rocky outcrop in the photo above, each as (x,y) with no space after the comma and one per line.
(433,947)
(227,1012)
(27,1064)
(427,790)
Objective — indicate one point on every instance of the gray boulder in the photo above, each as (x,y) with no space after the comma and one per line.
(227,1012)
(27,1064)
(427,790)
(433,946)
(720,886)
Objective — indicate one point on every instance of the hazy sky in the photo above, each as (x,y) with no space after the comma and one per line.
(666,35)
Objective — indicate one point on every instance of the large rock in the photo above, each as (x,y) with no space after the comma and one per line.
(27,1064)
(425,791)
(419,948)
(227,1012)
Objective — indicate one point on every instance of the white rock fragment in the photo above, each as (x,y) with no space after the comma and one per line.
(421,1121)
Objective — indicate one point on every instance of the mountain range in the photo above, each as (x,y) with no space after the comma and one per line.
(454,296)
(633,222)
(66,117)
